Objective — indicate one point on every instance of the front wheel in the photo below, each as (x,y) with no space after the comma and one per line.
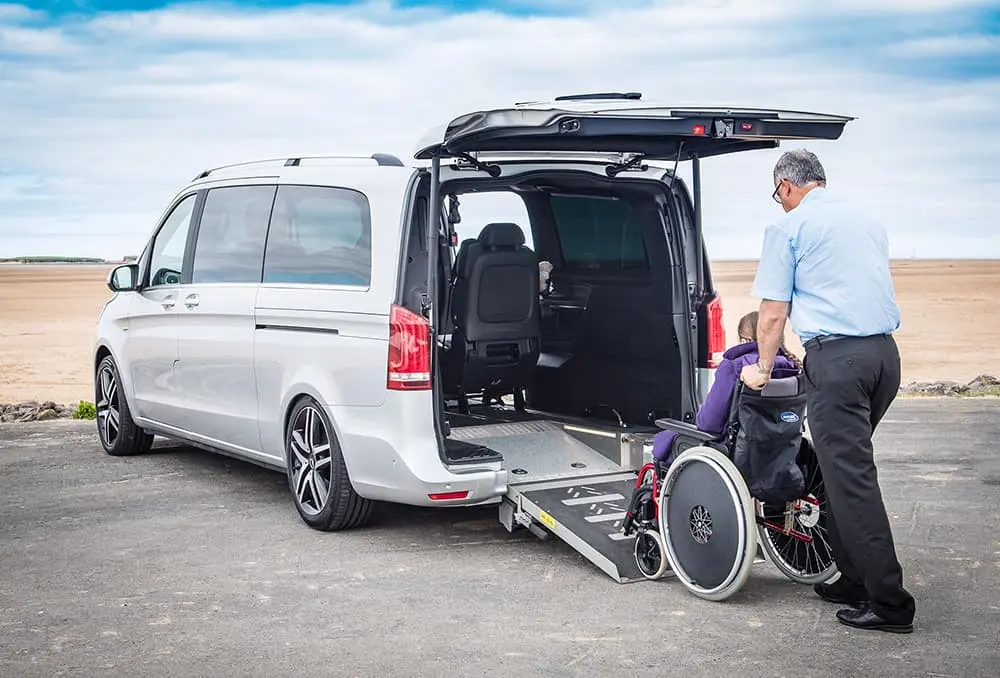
(649,556)
(317,474)
(118,433)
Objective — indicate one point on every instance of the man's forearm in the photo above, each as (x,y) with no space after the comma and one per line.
(770,328)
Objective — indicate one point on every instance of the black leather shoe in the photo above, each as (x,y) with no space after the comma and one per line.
(865,618)
(842,593)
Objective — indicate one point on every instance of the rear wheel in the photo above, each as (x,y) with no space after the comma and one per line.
(794,535)
(317,475)
(119,435)
(706,523)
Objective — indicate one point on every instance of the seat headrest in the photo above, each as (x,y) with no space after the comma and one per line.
(502,235)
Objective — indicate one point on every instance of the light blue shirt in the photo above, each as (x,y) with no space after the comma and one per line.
(832,263)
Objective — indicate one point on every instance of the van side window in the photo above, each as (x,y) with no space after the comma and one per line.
(598,232)
(166,261)
(319,236)
(231,234)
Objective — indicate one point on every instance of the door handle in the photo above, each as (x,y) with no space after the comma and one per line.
(167,303)
(191,300)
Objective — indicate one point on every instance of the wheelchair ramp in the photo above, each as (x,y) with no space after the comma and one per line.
(586,513)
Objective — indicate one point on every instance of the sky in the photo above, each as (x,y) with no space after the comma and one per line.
(107,107)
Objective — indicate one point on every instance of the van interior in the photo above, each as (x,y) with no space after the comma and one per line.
(596,346)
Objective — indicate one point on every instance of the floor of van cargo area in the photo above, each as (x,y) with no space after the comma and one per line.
(537,450)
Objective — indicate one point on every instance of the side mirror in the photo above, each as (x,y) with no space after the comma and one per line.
(124,278)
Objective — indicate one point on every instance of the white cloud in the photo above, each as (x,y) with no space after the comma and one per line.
(905,6)
(12,12)
(948,45)
(101,129)
(31,41)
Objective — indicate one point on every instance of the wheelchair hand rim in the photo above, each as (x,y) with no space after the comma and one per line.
(740,503)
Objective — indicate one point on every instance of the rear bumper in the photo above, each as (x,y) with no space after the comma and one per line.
(392,455)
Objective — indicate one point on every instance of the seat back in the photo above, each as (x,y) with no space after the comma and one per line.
(495,309)
(496,286)
(765,436)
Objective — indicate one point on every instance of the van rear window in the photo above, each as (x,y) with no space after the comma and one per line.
(597,232)
(319,236)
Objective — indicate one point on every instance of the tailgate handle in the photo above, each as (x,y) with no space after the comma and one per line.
(167,303)
(191,300)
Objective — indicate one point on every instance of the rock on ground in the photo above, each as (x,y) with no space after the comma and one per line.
(984,384)
(33,411)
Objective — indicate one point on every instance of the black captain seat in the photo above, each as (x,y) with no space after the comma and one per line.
(494,307)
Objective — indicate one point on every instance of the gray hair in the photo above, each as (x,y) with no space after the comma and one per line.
(799,167)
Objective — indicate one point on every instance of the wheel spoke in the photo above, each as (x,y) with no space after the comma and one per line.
(320,490)
(105,386)
(310,430)
(299,448)
(301,480)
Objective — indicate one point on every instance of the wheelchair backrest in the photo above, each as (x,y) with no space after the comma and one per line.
(765,434)
(776,397)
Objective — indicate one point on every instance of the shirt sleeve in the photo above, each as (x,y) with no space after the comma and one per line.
(776,270)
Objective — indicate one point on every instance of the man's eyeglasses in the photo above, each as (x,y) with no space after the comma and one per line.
(774,196)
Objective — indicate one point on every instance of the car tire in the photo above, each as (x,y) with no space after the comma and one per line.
(317,475)
(120,436)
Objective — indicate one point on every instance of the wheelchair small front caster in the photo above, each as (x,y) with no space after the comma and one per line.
(649,554)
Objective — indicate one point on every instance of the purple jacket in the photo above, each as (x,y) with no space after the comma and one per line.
(714,412)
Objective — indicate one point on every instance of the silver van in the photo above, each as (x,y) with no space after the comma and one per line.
(318,315)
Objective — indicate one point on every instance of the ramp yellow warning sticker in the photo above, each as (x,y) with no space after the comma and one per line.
(547,520)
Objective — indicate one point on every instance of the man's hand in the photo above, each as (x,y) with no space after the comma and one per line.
(754,377)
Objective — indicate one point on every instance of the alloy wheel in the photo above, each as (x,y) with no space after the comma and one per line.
(108,406)
(309,455)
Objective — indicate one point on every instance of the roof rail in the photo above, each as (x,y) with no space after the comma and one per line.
(382,159)
(387,160)
(631,96)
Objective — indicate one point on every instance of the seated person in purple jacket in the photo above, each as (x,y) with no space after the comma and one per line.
(714,412)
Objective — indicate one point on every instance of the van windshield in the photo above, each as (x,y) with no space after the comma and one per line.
(597,233)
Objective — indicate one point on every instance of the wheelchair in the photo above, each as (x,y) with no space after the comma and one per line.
(703,515)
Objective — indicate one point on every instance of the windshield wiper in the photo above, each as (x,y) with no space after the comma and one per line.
(617,168)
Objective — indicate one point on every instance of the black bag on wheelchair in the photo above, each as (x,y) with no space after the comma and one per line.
(766,430)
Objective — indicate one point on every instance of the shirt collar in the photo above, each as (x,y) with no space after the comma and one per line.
(817,193)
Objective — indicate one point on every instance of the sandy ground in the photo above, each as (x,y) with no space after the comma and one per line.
(48,313)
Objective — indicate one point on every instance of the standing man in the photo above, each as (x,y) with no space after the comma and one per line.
(829,265)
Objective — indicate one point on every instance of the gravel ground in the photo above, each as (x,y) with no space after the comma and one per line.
(183,563)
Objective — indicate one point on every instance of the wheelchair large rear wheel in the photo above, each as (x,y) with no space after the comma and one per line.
(794,536)
(706,523)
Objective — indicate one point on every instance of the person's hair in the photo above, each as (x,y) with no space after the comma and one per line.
(799,167)
(747,328)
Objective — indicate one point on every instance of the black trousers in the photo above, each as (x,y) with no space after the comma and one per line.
(851,381)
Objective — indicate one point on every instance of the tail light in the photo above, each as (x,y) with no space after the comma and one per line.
(716,332)
(409,351)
